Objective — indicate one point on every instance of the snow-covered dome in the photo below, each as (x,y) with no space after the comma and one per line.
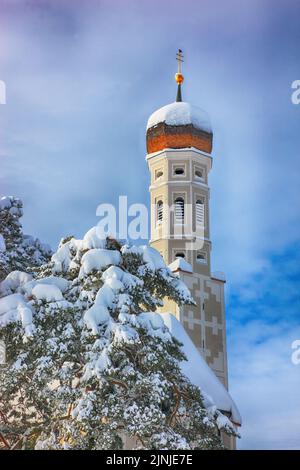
(180,114)
(179,125)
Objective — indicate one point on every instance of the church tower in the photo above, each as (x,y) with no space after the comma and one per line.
(179,146)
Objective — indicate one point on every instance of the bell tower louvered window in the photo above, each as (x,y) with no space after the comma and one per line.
(179,210)
(159,212)
(200,212)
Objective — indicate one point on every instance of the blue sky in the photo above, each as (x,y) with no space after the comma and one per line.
(82,79)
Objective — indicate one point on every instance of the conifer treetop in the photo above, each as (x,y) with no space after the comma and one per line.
(90,364)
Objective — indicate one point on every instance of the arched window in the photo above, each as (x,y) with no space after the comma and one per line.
(159,212)
(199,173)
(200,212)
(179,209)
(180,255)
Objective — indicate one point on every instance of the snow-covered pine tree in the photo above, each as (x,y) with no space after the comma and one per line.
(17,251)
(90,365)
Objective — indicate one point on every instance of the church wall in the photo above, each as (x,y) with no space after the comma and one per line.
(205,322)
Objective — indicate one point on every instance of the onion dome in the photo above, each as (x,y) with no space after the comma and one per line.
(179,124)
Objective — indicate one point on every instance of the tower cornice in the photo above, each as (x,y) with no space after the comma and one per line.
(179,183)
(179,151)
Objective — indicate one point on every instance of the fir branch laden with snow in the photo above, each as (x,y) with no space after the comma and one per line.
(90,365)
(17,251)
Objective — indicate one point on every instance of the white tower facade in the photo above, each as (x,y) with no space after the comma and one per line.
(180,231)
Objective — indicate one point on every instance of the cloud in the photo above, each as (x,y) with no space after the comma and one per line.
(266,384)
(264,320)
(82,79)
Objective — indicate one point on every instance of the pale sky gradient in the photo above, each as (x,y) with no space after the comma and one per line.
(82,79)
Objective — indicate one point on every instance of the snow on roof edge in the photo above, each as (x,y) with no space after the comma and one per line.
(180,264)
(199,373)
(219,276)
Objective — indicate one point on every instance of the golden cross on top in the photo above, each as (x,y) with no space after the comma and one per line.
(179,58)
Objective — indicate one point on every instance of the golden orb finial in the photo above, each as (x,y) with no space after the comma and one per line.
(179,78)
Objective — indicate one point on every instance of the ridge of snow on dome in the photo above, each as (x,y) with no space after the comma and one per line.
(180,114)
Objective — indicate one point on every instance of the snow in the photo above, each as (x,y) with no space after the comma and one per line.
(180,114)
(13,281)
(199,373)
(152,320)
(47,292)
(219,275)
(11,204)
(25,315)
(57,281)
(98,259)
(154,262)
(2,243)
(181,265)
(14,308)
(5,202)
(94,239)
(23,292)
(40,248)
(61,283)
(10,303)
(106,296)
(62,258)
(20,282)
(125,334)
(114,280)
(150,256)
(154,324)
(83,409)
(95,316)
(128,280)
(103,361)
(23,250)
(183,290)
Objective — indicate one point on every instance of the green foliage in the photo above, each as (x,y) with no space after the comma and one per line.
(22,252)
(69,387)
